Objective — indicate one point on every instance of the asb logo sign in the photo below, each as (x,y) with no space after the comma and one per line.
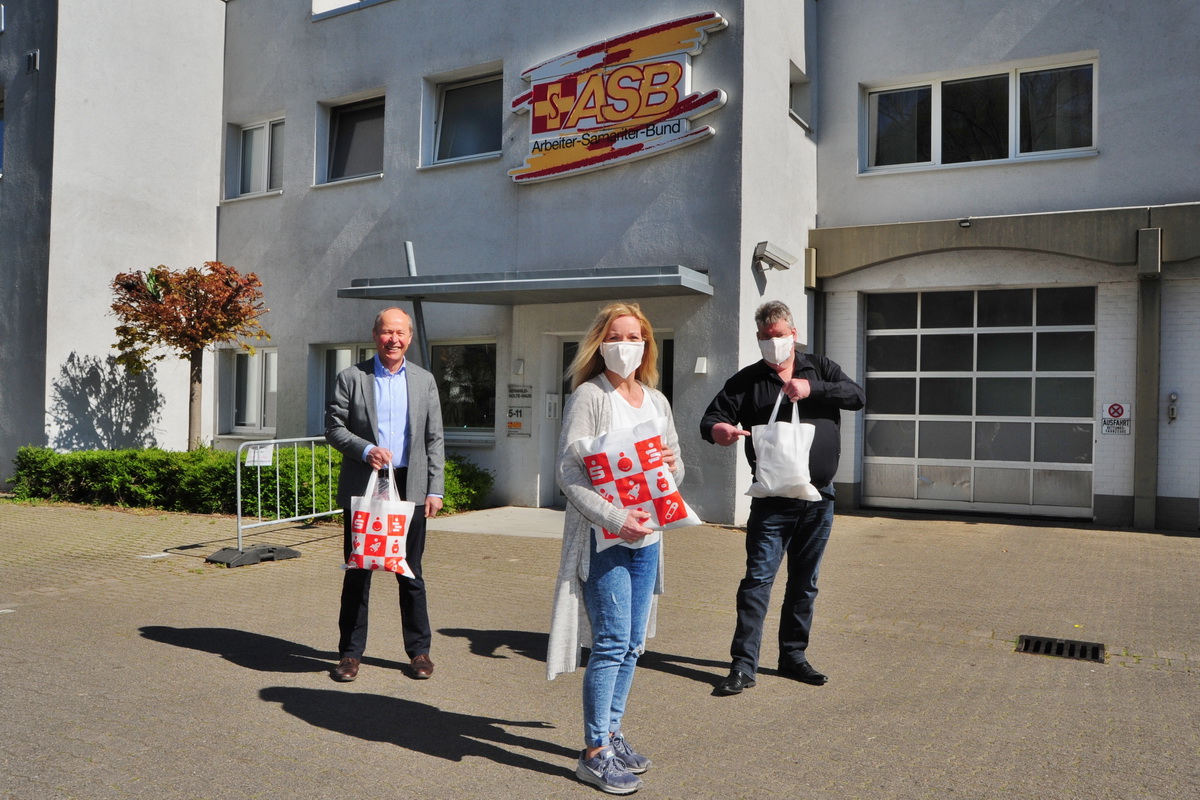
(617,100)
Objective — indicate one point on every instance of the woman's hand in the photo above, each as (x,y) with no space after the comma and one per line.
(668,457)
(633,529)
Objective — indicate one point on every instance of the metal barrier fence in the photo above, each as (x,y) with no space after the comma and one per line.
(271,454)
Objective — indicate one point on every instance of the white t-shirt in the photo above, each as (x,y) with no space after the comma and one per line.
(625,415)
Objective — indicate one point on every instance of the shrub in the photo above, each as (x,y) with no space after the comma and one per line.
(203,481)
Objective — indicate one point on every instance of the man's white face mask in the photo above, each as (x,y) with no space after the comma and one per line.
(777,351)
(622,357)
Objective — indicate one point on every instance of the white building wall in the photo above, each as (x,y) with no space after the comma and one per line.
(1179,441)
(1147,62)
(136,170)
(1116,382)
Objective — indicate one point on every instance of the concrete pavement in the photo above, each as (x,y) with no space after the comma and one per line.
(133,669)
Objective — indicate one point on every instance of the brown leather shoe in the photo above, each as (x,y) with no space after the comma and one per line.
(422,666)
(347,669)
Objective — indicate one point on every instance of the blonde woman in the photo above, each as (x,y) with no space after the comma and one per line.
(612,379)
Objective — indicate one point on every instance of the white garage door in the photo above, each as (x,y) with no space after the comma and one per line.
(981,400)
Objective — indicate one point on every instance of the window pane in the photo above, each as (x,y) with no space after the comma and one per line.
(466,380)
(252,155)
(900,126)
(336,360)
(356,140)
(945,440)
(470,122)
(1064,442)
(1006,308)
(1002,441)
(666,375)
(975,119)
(891,437)
(1005,352)
(1056,109)
(270,360)
(947,353)
(891,353)
(1074,306)
(1003,397)
(891,395)
(241,389)
(1067,352)
(947,309)
(1064,397)
(891,311)
(945,396)
(275,180)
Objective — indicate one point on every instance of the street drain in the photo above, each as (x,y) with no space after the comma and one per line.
(1061,648)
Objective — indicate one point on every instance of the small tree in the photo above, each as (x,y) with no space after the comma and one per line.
(185,311)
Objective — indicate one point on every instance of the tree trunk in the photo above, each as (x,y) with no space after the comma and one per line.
(195,374)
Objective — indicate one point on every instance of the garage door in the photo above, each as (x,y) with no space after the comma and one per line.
(981,400)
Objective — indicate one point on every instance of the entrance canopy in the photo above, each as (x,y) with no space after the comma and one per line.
(542,286)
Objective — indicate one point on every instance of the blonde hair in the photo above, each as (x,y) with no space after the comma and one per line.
(589,363)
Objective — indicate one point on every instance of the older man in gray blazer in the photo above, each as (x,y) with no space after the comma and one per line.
(386,411)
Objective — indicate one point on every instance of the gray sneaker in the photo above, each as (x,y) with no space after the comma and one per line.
(607,772)
(634,762)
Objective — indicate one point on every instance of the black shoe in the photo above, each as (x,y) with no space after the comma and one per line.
(803,672)
(734,683)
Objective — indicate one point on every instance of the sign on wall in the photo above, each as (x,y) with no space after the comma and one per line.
(520,409)
(616,100)
(1116,419)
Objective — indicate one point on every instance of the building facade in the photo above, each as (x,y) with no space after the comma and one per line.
(987,215)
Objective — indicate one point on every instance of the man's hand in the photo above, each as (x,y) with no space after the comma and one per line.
(432,506)
(725,434)
(633,529)
(797,389)
(379,457)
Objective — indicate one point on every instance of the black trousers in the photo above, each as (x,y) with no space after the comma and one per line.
(356,590)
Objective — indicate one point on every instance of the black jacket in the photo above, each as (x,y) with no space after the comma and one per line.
(749,396)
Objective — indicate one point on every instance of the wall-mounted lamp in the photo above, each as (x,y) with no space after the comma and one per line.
(770,256)
(701,366)
(965,222)
(519,367)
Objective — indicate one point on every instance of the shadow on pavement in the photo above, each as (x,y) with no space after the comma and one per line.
(529,644)
(250,650)
(418,727)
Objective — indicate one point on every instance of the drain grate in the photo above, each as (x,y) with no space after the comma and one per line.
(1060,648)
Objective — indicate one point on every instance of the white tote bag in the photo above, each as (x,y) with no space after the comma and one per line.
(379,528)
(781,448)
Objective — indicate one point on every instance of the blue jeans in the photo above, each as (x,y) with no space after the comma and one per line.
(800,529)
(617,595)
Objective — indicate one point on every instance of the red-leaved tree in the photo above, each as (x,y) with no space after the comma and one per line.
(185,312)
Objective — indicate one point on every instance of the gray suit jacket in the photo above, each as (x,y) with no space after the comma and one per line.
(351,422)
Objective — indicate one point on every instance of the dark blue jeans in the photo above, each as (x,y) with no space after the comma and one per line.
(777,526)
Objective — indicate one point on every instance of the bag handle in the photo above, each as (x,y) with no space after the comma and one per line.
(373,482)
(775,410)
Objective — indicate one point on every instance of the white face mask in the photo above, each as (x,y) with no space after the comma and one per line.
(777,351)
(622,357)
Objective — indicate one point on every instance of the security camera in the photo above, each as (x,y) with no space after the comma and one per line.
(770,256)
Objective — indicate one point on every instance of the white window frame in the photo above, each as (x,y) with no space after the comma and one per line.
(1014,73)
(328,114)
(272,130)
(433,102)
(261,390)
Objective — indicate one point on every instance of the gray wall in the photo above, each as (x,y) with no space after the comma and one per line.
(1147,68)
(25,222)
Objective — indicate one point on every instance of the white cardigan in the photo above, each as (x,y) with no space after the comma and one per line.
(589,413)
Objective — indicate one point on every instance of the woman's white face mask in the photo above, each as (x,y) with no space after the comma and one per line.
(777,351)
(622,357)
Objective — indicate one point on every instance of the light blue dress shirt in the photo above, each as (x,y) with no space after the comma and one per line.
(391,412)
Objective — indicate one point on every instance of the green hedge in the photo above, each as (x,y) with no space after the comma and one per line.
(202,481)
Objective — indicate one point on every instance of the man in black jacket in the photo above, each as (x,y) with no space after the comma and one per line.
(779,525)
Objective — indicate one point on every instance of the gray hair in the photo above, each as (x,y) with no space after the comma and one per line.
(771,312)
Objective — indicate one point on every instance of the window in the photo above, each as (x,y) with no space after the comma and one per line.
(261,167)
(468,119)
(338,359)
(252,378)
(356,139)
(466,381)
(976,119)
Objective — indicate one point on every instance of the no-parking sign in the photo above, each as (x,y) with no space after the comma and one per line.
(1116,418)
